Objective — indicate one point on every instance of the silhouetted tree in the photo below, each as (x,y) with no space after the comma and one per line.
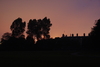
(43,28)
(39,29)
(46,27)
(5,37)
(95,35)
(17,27)
(32,30)
(96,29)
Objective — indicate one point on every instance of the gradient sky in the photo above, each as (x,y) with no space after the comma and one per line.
(67,16)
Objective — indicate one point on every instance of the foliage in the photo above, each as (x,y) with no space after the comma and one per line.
(6,36)
(18,27)
(96,29)
(95,36)
(39,29)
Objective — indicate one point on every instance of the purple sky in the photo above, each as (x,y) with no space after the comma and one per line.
(67,16)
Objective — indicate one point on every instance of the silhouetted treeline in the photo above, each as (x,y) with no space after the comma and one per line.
(38,38)
(36,30)
(57,44)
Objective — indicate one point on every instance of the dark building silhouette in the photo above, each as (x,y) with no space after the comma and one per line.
(77,34)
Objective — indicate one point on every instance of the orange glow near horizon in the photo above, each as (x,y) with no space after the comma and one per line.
(67,16)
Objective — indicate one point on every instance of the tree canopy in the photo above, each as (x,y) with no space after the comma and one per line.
(39,29)
(96,30)
(18,27)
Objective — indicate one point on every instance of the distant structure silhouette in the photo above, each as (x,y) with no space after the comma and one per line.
(63,35)
(72,35)
(77,34)
(84,34)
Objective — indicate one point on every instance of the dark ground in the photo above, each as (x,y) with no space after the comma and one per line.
(45,58)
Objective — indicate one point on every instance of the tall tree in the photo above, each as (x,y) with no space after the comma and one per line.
(32,30)
(18,27)
(96,30)
(46,27)
(95,35)
(39,29)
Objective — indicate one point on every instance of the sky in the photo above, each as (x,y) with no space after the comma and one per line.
(67,16)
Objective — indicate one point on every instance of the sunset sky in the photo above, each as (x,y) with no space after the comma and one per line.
(67,16)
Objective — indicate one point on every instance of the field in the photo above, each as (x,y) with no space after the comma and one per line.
(45,58)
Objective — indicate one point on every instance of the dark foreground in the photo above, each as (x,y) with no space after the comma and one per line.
(45,58)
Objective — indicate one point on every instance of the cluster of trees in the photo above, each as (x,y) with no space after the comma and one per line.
(39,30)
(36,30)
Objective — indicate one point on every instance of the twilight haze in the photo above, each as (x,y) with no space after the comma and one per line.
(67,16)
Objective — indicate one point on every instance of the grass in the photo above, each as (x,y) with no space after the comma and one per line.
(44,58)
